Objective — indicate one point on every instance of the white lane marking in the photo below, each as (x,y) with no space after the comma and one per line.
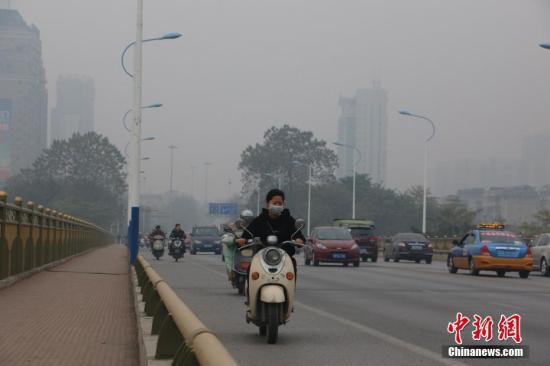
(423,352)
(508,305)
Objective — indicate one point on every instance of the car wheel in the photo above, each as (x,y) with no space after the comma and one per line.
(417,260)
(364,259)
(473,270)
(395,257)
(386,258)
(356,263)
(524,274)
(345,264)
(544,269)
(429,260)
(450,265)
(374,259)
(315,261)
(307,261)
(194,252)
(501,273)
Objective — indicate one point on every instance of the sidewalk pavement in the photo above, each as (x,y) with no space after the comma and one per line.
(80,313)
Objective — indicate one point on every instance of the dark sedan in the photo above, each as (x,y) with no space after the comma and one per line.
(333,245)
(410,246)
(205,239)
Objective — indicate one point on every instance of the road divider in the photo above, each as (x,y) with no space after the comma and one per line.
(181,335)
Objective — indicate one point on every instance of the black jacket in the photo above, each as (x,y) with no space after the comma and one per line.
(180,234)
(283,227)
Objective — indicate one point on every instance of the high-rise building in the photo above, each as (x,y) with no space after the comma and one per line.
(23,94)
(74,110)
(363,124)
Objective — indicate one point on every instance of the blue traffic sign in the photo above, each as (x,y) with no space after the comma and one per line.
(223,209)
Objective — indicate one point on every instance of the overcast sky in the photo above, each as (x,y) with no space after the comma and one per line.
(473,66)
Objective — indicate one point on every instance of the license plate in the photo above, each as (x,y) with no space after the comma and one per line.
(416,247)
(208,246)
(339,256)
(505,253)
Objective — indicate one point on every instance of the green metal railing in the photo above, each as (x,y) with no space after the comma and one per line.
(31,237)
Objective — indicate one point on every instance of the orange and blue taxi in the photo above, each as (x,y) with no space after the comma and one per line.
(490,247)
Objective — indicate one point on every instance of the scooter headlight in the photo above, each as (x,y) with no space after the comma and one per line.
(273,257)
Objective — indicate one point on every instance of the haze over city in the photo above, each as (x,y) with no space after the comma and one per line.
(243,66)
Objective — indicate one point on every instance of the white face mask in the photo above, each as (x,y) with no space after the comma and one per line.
(276,210)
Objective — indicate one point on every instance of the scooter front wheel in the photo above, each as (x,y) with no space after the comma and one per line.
(240,286)
(263,330)
(272,323)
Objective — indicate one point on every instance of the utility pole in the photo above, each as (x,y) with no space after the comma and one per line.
(172,147)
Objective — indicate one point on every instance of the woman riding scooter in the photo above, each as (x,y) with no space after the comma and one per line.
(274,220)
(271,278)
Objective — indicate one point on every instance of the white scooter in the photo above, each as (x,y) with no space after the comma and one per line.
(271,285)
(158,246)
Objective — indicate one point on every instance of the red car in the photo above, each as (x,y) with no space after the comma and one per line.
(331,244)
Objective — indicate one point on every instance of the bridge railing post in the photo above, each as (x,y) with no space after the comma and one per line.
(4,247)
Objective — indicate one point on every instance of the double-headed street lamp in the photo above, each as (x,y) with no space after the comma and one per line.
(154,105)
(171,35)
(355,162)
(128,144)
(545,45)
(133,188)
(424,198)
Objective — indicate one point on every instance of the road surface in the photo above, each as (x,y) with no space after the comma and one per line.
(377,314)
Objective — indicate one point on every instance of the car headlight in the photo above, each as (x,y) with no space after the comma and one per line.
(198,242)
(354,247)
(321,246)
(273,257)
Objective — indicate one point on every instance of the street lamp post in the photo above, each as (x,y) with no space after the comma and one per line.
(355,162)
(425,189)
(310,169)
(193,167)
(206,165)
(128,180)
(133,172)
(172,147)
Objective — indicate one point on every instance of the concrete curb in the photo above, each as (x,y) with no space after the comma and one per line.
(21,276)
(141,344)
(147,342)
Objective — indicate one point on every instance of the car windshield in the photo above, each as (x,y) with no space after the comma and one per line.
(501,237)
(334,234)
(411,237)
(361,232)
(205,231)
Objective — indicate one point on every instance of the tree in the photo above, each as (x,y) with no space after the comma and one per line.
(82,176)
(285,154)
(452,217)
(543,217)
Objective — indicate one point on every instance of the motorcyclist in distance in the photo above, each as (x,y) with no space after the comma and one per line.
(156,231)
(177,233)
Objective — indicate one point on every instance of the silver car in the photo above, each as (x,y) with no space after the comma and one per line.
(540,248)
